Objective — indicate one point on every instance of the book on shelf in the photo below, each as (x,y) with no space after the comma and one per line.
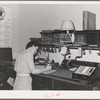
(89,20)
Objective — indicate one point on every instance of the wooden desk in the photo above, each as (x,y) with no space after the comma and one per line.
(59,80)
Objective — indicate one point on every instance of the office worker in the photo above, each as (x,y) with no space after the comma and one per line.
(24,66)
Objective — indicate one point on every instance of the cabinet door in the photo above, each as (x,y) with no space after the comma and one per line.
(92,38)
(41,83)
(60,85)
(4,75)
(88,37)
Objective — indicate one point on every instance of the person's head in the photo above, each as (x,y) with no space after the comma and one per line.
(33,49)
(30,44)
(33,46)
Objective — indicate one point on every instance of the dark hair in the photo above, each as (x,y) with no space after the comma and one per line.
(31,43)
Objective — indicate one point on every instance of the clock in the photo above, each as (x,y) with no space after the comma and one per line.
(2,13)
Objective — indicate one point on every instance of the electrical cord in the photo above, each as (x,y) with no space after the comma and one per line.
(68,63)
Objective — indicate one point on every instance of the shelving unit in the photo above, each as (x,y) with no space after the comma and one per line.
(87,39)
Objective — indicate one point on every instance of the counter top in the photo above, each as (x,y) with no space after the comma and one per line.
(63,75)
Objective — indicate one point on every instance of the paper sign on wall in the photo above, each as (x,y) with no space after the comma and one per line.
(5,27)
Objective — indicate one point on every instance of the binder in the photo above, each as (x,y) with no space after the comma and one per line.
(89,20)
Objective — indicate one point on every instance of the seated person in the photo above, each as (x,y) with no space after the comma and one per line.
(24,66)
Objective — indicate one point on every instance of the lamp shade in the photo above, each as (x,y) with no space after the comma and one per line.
(67,25)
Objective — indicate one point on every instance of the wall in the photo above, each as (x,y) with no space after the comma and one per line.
(35,17)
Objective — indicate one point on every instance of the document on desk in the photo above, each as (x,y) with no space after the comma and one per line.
(10,81)
(49,72)
(39,66)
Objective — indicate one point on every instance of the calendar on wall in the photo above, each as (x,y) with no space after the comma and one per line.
(5,27)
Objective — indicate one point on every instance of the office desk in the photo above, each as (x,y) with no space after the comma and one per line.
(59,80)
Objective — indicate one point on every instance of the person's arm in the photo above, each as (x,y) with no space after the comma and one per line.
(32,68)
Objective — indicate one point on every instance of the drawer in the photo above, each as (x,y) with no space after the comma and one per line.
(43,82)
(59,85)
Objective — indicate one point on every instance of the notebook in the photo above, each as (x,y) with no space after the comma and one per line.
(49,72)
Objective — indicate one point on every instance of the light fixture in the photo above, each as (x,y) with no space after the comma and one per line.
(68,25)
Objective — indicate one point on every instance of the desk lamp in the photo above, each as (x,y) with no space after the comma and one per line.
(68,25)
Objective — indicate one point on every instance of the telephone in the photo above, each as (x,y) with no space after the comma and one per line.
(84,72)
(89,71)
(67,64)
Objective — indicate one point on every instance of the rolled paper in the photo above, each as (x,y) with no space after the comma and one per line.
(59,49)
(52,50)
(43,49)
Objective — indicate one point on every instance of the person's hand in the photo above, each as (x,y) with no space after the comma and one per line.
(49,67)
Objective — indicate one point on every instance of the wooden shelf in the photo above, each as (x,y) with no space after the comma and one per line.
(87,39)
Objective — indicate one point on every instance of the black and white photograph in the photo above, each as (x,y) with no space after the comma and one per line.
(50,47)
